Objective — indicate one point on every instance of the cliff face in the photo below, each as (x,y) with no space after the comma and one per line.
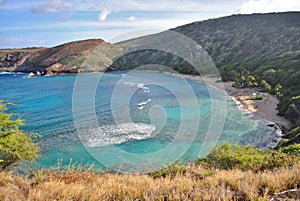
(11,59)
(66,58)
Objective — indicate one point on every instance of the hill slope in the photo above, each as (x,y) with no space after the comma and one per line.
(66,58)
(267,45)
(251,39)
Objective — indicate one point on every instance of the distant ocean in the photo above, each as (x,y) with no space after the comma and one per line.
(45,103)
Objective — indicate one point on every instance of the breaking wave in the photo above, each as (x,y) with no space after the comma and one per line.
(117,134)
(138,85)
(11,73)
(144,102)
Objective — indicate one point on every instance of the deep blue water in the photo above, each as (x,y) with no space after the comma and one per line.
(143,118)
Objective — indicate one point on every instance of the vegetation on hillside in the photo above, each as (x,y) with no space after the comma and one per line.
(15,145)
(265,46)
(291,137)
(228,156)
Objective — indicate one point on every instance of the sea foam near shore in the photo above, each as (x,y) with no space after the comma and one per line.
(273,132)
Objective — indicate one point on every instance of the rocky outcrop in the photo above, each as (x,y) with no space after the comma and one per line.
(294,112)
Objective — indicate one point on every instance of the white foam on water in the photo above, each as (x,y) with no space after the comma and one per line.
(138,85)
(238,103)
(133,84)
(146,89)
(273,135)
(4,73)
(117,134)
(144,102)
(30,75)
(240,107)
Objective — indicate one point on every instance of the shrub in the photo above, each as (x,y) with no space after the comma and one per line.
(171,170)
(256,98)
(15,145)
(293,133)
(292,149)
(295,98)
(245,157)
(74,60)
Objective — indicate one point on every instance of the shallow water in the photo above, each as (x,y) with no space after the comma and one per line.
(143,118)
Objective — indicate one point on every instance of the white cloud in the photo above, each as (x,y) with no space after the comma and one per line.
(104,14)
(54,6)
(266,6)
(132,18)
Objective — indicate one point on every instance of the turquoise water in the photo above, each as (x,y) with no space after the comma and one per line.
(142,118)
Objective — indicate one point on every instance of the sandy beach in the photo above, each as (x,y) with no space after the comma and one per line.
(265,108)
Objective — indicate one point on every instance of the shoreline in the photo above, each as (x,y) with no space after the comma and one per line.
(265,109)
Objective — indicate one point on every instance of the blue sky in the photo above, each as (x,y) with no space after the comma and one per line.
(28,23)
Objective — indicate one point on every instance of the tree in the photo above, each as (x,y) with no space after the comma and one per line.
(239,76)
(15,145)
(278,89)
(251,81)
(267,87)
(242,80)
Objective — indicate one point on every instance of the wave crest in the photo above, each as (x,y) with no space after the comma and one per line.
(117,134)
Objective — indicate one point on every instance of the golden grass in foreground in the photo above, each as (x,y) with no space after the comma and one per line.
(195,184)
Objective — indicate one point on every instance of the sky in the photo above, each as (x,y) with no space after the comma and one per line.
(35,23)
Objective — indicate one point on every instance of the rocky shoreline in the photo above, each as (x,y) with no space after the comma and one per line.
(263,110)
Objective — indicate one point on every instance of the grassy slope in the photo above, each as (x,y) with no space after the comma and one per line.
(266,173)
(196,183)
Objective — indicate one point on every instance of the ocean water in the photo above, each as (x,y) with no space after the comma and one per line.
(128,121)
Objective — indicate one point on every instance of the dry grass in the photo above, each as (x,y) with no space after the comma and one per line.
(194,184)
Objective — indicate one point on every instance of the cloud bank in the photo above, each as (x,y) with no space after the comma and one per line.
(267,6)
